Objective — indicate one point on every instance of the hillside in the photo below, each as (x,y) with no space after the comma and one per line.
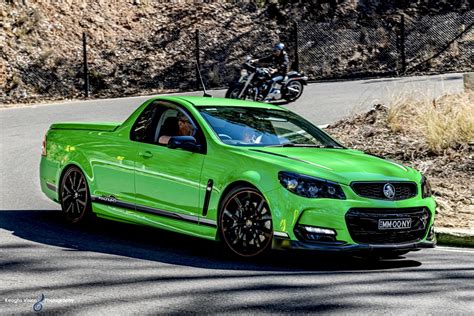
(139,47)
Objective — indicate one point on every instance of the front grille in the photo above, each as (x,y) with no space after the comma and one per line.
(363,225)
(374,190)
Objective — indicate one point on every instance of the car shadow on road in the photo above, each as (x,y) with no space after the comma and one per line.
(108,237)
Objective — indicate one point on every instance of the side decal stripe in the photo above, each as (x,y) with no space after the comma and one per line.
(145,209)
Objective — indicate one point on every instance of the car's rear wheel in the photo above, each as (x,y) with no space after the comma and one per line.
(245,222)
(74,196)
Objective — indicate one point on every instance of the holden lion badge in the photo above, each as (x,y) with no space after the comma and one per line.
(389,191)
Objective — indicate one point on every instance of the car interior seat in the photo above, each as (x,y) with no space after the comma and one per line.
(169,127)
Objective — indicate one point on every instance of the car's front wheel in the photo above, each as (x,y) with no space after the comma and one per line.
(74,196)
(245,222)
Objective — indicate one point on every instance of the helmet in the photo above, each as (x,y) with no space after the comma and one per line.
(279,46)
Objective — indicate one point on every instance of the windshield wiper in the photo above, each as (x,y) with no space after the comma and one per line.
(305,145)
(295,145)
(335,147)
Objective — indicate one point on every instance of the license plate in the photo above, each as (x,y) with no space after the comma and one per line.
(399,223)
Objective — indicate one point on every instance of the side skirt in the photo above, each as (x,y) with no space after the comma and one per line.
(111,208)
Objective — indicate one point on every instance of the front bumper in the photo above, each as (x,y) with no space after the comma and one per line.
(287,244)
(290,211)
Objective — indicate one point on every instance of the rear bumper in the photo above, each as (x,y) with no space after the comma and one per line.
(287,244)
(48,176)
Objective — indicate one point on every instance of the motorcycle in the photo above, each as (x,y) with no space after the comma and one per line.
(254,82)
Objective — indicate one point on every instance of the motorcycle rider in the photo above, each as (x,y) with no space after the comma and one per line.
(279,61)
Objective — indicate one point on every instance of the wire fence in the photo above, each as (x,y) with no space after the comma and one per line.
(431,36)
(391,45)
(221,58)
(348,49)
(166,60)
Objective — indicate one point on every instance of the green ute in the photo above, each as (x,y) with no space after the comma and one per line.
(251,175)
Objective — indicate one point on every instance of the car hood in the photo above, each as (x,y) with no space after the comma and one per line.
(340,165)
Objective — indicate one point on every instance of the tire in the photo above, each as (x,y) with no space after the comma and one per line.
(75,197)
(245,222)
(234,91)
(291,96)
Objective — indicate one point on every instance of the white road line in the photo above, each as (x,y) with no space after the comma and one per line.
(454,249)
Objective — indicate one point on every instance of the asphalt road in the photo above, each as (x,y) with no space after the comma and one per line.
(113,267)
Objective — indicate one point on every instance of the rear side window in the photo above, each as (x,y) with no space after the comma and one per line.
(144,128)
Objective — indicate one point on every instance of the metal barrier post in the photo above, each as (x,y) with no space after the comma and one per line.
(296,64)
(402,42)
(198,63)
(86,68)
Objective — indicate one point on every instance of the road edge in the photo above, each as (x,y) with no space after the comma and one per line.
(455,237)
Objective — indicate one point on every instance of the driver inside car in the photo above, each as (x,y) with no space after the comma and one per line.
(176,126)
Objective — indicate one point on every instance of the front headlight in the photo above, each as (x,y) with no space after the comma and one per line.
(310,187)
(425,187)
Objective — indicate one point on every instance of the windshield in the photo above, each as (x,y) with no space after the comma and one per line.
(243,126)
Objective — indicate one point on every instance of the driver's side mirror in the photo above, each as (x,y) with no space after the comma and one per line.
(184,142)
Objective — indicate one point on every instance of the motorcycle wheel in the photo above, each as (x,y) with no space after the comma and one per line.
(291,95)
(234,91)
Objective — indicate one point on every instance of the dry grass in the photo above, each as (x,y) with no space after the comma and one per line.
(445,122)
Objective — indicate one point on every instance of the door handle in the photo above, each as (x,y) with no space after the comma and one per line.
(145,154)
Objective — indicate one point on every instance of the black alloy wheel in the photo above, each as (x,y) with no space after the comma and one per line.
(74,196)
(245,222)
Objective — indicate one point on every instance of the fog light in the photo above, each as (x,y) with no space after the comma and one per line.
(321,231)
(315,234)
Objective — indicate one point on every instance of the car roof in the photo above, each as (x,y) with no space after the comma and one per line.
(220,102)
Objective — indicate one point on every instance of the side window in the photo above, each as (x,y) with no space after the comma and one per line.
(144,127)
(162,120)
(175,122)
(167,125)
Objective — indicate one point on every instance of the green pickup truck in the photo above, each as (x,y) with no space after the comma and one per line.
(252,175)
